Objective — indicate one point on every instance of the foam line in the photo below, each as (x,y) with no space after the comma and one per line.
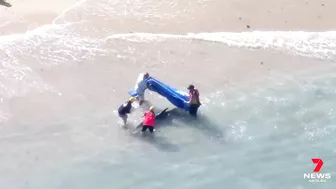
(312,44)
(4,24)
(67,10)
(41,29)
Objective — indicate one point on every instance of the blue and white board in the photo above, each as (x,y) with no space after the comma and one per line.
(175,96)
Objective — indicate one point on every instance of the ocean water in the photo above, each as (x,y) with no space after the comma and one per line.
(60,85)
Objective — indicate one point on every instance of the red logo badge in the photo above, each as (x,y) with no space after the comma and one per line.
(319,164)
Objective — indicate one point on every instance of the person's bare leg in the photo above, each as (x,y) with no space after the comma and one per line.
(141,99)
(124,118)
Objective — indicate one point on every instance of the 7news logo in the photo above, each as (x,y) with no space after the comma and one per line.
(317,176)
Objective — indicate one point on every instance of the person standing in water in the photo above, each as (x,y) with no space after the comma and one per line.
(125,109)
(149,120)
(141,86)
(194,100)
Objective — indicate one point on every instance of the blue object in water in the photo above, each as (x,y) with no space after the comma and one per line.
(173,95)
(132,92)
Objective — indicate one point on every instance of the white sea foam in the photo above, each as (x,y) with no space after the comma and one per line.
(310,44)
(60,43)
(47,39)
(43,45)
(4,24)
(40,46)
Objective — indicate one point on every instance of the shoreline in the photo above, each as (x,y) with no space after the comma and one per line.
(243,71)
(27,15)
(225,16)
(226,66)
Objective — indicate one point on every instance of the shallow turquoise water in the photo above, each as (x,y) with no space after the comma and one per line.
(261,139)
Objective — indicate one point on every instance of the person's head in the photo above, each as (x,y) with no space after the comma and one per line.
(151,108)
(146,75)
(132,99)
(191,87)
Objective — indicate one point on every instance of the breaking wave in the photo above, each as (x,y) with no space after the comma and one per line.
(310,44)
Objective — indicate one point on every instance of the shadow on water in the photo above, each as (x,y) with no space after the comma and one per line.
(168,118)
(202,123)
(4,3)
(159,142)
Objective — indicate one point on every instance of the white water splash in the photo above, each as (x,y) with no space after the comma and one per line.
(309,44)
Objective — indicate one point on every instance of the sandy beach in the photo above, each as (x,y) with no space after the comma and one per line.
(185,16)
(26,15)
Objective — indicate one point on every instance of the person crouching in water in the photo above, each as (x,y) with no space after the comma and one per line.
(149,120)
(194,101)
(125,109)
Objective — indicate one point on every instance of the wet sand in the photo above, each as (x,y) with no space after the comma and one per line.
(101,83)
(188,16)
(207,68)
(26,15)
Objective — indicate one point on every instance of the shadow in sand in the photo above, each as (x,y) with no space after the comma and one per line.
(4,3)
(202,123)
(160,142)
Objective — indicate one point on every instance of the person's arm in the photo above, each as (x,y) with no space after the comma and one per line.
(148,84)
(128,107)
(130,110)
(198,97)
(190,97)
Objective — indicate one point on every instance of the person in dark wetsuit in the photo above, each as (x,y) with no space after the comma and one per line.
(194,100)
(125,109)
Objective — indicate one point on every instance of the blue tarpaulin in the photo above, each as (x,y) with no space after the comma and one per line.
(175,96)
